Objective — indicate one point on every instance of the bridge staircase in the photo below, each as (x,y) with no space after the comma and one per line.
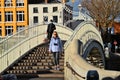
(37,64)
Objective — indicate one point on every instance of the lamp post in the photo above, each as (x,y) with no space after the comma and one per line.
(80,8)
(81,16)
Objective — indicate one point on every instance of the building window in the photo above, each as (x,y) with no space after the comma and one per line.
(19,3)
(8,30)
(55,19)
(45,18)
(19,28)
(45,9)
(35,10)
(8,16)
(55,9)
(20,16)
(0,31)
(35,19)
(0,17)
(8,3)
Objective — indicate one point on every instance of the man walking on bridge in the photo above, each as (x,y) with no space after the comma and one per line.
(51,27)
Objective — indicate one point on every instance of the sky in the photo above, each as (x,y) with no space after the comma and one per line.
(75,5)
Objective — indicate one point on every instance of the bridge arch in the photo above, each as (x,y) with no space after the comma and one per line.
(94,53)
(90,38)
(74,63)
(85,31)
(81,44)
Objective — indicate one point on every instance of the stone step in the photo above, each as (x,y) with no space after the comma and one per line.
(28,67)
(43,78)
(27,71)
(34,71)
(37,66)
(40,54)
(41,59)
(47,78)
(42,62)
(55,75)
(40,50)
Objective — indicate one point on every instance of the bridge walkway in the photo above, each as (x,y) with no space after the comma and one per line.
(29,62)
(37,64)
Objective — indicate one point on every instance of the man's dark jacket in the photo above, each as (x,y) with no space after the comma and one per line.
(51,27)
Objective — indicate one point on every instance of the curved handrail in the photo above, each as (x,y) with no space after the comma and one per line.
(72,36)
(6,44)
(17,37)
(33,26)
(79,27)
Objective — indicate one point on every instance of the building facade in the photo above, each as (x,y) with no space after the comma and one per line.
(43,11)
(13,16)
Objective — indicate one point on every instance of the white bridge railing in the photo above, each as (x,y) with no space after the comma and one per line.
(76,67)
(15,46)
(83,32)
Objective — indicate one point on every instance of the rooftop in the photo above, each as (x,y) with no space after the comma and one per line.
(42,1)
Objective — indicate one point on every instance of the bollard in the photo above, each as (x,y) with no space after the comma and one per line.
(92,75)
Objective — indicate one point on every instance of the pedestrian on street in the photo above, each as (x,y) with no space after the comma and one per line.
(51,27)
(56,49)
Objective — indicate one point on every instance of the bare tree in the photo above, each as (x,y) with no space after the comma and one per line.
(103,11)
